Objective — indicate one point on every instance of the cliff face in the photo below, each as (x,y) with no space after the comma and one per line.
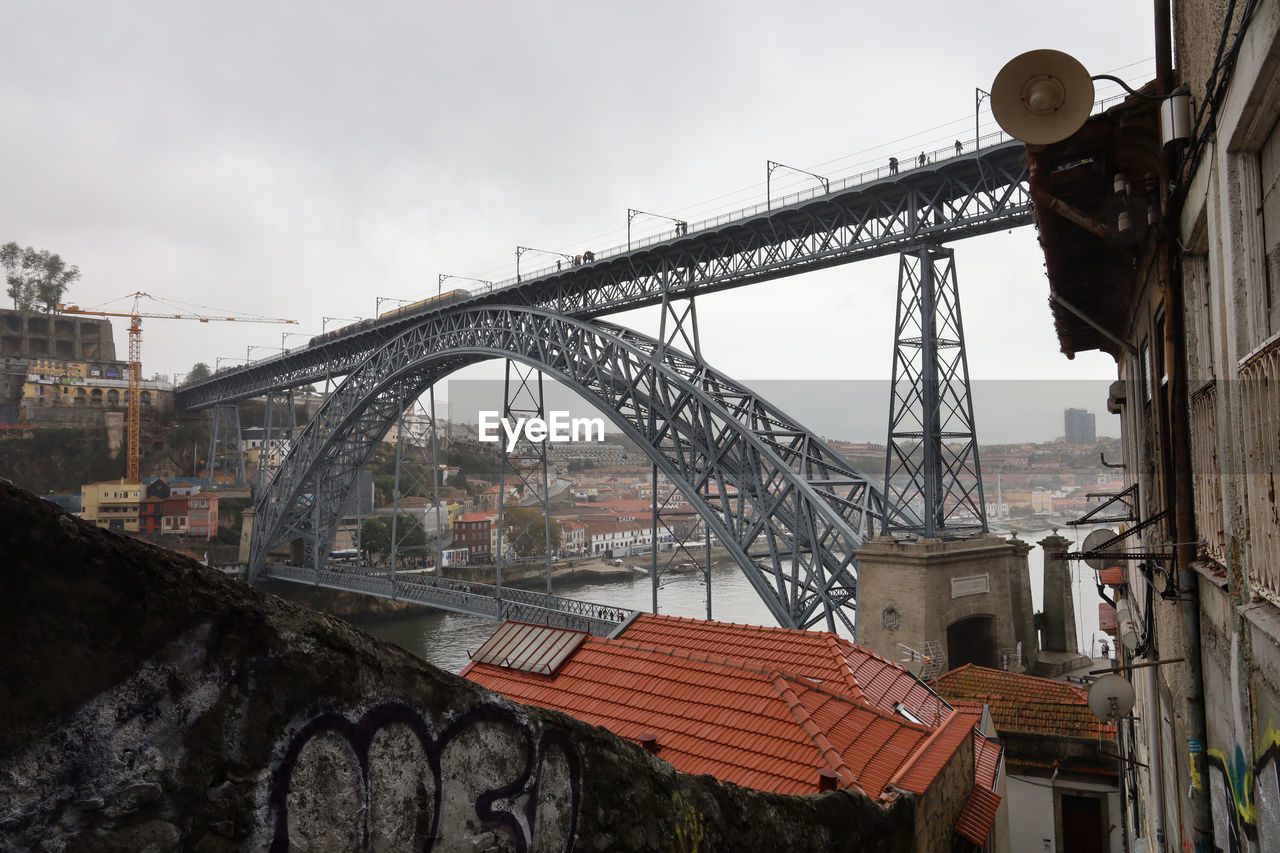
(150,703)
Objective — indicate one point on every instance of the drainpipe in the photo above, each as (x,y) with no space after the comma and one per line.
(1185,536)
(1184,521)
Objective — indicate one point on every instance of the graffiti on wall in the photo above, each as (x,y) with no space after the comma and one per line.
(388,779)
(1245,797)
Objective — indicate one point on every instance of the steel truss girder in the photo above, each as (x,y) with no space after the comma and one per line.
(931,456)
(956,198)
(790,510)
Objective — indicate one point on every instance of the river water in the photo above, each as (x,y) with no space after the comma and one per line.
(447,639)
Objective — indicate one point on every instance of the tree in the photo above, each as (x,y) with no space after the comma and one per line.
(35,277)
(525,530)
(375,534)
(375,537)
(199,372)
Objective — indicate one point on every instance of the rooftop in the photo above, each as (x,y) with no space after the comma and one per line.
(766,708)
(1025,703)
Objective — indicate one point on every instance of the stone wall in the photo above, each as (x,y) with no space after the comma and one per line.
(151,703)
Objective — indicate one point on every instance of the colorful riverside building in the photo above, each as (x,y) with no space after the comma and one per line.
(776,709)
(112,504)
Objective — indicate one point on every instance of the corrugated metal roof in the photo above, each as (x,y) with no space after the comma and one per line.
(529,648)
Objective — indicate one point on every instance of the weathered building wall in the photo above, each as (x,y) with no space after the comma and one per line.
(152,703)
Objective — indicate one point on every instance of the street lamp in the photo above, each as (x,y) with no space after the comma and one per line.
(682,227)
(520,250)
(773,164)
(443,276)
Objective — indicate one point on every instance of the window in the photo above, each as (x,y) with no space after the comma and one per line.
(1259,404)
(1269,189)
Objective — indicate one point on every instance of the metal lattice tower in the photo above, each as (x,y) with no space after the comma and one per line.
(931,456)
(226,452)
(279,427)
(523,469)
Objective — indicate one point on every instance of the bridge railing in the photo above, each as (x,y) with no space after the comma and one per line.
(475,598)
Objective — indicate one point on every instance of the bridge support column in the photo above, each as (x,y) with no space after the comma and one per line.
(678,330)
(279,428)
(931,456)
(246,532)
(527,466)
(967,599)
(226,452)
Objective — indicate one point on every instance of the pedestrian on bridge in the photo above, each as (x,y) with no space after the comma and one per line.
(893,165)
(959,147)
(923,159)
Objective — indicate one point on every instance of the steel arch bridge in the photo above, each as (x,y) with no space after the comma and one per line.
(790,510)
(977,193)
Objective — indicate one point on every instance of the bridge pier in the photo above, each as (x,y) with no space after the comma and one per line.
(226,452)
(968,598)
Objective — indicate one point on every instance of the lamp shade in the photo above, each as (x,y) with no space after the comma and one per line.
(1042,96)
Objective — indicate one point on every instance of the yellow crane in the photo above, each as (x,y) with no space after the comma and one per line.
(134,430)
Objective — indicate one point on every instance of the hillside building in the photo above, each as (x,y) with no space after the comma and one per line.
(1079,427)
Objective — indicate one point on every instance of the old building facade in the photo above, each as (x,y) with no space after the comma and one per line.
(1165,253)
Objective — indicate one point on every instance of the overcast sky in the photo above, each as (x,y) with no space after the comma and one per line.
(301,159)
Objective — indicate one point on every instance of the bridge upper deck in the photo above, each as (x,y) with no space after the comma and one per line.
(864,216)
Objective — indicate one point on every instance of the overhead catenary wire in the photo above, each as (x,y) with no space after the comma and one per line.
(747,195)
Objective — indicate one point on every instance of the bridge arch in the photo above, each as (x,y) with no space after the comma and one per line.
(790,510)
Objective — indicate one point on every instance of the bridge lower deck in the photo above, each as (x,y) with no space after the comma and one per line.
(476,599)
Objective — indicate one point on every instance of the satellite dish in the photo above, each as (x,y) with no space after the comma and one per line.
(1111,697)
(1093,540)
(1042,96)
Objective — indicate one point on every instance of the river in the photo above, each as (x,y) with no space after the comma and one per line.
(447,639)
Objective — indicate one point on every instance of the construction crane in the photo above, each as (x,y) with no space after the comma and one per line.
(134,430)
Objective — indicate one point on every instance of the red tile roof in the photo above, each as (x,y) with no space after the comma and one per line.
(977,816)
(760,707)
(1024,703)
(986,761)
(825,658)
(477,516)
(1112,575)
